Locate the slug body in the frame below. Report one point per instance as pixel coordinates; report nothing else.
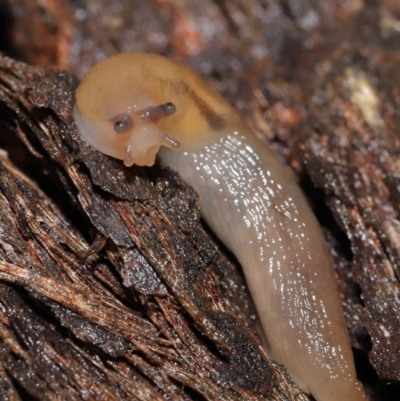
(246, 196)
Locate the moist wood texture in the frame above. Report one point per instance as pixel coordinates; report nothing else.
(110, 286)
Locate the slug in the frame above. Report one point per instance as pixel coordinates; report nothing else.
(130, 105)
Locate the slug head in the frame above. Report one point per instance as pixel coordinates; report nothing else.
(132, 136)
(118, 110)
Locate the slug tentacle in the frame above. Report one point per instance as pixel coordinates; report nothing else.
(131, 105)
(122, 123)
(157, 112)
(171, 143)
(128, 159)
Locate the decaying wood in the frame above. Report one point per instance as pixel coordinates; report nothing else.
(136, 316)
(110, 286)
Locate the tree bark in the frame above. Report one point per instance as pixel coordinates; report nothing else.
(111, 287)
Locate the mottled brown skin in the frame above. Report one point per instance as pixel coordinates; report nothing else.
(246, 196)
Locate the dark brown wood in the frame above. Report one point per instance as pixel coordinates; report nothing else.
(111, 287)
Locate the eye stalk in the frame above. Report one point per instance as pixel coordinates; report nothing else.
(122, 123)
(169, 108)
(137, 135)
(155, 113)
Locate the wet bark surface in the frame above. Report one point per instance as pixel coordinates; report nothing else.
(111, 287)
